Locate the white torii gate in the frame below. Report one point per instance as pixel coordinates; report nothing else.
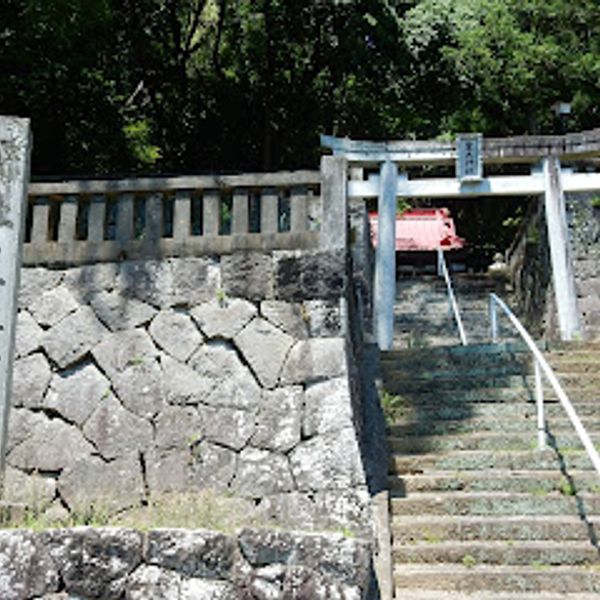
(547, 178)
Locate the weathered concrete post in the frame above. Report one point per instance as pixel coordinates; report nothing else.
(334, 183)
(562, 266)
(385, 258)
(15, 146)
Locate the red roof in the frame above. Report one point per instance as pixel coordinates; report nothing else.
(422, 229)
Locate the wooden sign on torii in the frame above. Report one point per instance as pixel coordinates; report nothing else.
(547, 178)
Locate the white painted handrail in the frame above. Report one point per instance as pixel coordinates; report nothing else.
(542, 366)
(443, 271)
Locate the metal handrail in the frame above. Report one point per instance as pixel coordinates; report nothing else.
(443, 271)
(542, 366)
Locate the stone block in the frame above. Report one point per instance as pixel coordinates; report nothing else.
(87, 281)
(27, 569)
(183, 385)
(75, 393)
(33, 490)
(152, 583)
(301, 275)
(117, 432)
(73, 337)
(175, 333)
(139, 387)
(95, 562)
(52, 445)
(328, 407)
(327, 462)
(149, 281)
(247, 275)
(31, 377)
(235, 386)
(315, 359)
(260, 472)
(265, 348)
(213, 467)
(223, 319)
(324, 318)
(168, 471)
(118, 312)
(29, 335)
(36, 281)
(52, 306)
(229, 427)
(177, 427)
(279, 419)
(195, 280)
(124, 349)
(290, 317)
(194, 554)
(90, 483)
(192, 589)
(21, 424)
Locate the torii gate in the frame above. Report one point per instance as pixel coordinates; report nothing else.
(547, 178)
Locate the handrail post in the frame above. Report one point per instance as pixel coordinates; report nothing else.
(443, 272)
(539, 401)
(493, 319)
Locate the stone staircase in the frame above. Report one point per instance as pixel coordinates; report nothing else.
(422, 316)
(478, 512)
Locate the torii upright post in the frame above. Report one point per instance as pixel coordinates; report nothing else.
(385, 260)
(15, 146)
(558, 236)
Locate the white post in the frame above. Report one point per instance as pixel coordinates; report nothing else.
(385, 260)
(494, 320)
(15, 146)
(539, 400)
(562, 268)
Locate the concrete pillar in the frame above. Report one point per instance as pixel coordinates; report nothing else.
(558, 237)
(15, 147)
(334, 184)
(385, 258)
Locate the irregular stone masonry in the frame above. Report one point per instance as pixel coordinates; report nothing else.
(104, 564)
(152, 377)
(584, 232)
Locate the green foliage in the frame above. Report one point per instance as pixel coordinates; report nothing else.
(393, 407)
(204, 85)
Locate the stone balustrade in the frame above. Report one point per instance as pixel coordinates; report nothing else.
(85, 221)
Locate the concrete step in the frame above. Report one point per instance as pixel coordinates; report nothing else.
(539, 483)
(434, 529)
(504, 579)
(517, 421)
(495, 504)
(502, 552)
(412, 372)
(431, 393)
(478, 460)
(423, 409)
(487, 440)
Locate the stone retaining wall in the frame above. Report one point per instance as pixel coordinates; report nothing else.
(235, 374)
(584, 233)
(110, 564)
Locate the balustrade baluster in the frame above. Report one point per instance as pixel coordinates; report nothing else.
(211, 206)
(182, 216)
(41, 221)
(125, 214)
(68, 219)
(269, 211)
(299, 213)
(239, 223)
(97, 217)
